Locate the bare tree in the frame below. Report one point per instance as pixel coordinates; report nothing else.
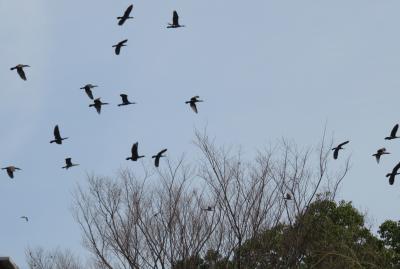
(131, 223)
(252, 196)
(169, 217)
(38, 258)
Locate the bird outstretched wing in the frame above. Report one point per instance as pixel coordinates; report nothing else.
(335, 153)
(344, 143)
(157, 161)
(128, 11)
(394, 130)
(57, 135)
(21, 73)
(175, 18)
(89, 92)
(193, 106)
(135, 150)
(124, 98)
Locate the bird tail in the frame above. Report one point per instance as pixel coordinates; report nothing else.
(128, 158)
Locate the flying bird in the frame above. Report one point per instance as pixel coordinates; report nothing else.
(88, 89)
(379, 153)
(125, 16)
(393, 133)
(57, 137)
(69, 164)
(10, 170)
(287, 196)
(393, 174)
(337, 148)
(193, 101)
(125, 100)
(20, 70)
(158, 156)
(119, 45)
(97, 104)
(135, 156)
(175, 21)
(25, 218)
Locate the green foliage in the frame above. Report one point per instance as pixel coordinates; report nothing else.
(389, 232)
(328, 235)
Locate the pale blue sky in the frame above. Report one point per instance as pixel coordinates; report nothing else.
(266, 70)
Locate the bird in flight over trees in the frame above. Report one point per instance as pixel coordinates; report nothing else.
(134, 151)
(20, 70)
(125, 16)
(125, 100)
(10, 170)
(88, 89)
(119, 45)
(379, 153)
(158, 156)
(287, 196)
(393, 174)
(57, 137)
(69, 164)
(337, 148)
(25, 218)
(393, 133)
(175, 21)
(208, 208)
(97, 104)
(193, 101)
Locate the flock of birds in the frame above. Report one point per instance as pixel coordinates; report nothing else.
(98, 103)
(378, 154)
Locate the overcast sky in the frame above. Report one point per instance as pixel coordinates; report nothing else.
(266, 70)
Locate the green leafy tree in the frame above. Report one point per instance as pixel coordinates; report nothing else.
(390, 234)
(327, 235)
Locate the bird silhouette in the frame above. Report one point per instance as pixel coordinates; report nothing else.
(393, 133)
(287, 196)
(119, 45)
(97, 104)
(379, 153)
(88, 89)
(20, 70)
(25, 218)
(57, 137)
(175, 21)
(393, 174)
(193, 101)
(158, 156)
(125, 100)
(69, 164)
(134, 151)
(10, 170)
(125, 16)
(337, 148)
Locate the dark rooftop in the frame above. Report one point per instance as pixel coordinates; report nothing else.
(6, 263)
